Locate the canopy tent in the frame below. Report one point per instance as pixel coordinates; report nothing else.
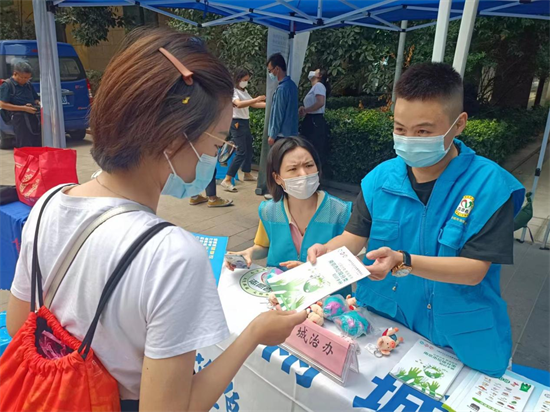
(307, 15)
(297, 17)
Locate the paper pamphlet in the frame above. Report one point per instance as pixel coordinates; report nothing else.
(481, 393)
(543, 404)
(428, 369)
(299, 288)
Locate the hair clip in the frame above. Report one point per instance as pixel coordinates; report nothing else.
(185, 72)
(186, 100)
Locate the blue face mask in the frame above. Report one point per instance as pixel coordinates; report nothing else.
(176, 187)
(272, 76)
(421, 151)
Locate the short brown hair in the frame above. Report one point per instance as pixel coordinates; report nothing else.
(143, 103)
(275, 159)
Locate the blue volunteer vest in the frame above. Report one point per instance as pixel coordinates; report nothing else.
(472, 320)
(329, 221)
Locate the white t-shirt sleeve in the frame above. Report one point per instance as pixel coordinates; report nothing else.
(180, 300)
(319, 89)
(235, 95)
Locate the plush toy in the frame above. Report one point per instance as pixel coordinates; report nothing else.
(334, 306)
(353, 323)
(315, 314)
(389, 341)
(351, 302)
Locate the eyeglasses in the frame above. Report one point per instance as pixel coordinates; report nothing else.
(222, 140)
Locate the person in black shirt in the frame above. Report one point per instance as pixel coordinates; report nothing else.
(18, 97)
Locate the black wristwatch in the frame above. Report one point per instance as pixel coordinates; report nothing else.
(403, 269)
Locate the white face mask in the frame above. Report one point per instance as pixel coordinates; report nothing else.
(311, 75)
(243, 84)
(302, 187)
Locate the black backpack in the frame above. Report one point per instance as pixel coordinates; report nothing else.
(6, 114)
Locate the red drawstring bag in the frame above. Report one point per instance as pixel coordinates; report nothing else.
(44, 368)
(38, 169)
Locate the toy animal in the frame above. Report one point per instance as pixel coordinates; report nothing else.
(315, 314)
(353, 323)
(389, 341)
(334, 306)
(351, 302)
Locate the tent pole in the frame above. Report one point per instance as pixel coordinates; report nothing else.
(400, 57)
(537, 174)
(441, 31)
(545, 240)
(53, 124)
(289, 60)
(465, 35)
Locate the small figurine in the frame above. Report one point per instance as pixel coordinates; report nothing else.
(334, 306)
(351, 302)
(315, 314)
(353, 323)
(389, 341)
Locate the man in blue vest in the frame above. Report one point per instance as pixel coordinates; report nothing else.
(439, 223)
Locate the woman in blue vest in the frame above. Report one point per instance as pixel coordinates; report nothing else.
(439, 224)
(299, 215)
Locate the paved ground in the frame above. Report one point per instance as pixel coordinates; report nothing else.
(525, 285)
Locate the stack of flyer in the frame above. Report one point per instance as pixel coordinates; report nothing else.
(301, 287)
(543, 403)
(481, 393)
(428, 369)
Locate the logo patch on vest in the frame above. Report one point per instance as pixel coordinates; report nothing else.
(465, 206)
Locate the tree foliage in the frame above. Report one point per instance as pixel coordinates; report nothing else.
(237, 45)
(505, 55)
(358, 60)
(11, 29)
(90, 25)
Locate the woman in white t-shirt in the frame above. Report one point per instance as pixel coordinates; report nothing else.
(157, 121)
(240, 129)
(314, 127)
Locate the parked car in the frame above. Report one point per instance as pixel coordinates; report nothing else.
(76, 92)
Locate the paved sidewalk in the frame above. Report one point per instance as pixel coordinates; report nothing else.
(525, 285)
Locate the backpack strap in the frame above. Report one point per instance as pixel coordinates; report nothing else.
(69, 258)
(10, 81)
(114, 279)
(36, 274)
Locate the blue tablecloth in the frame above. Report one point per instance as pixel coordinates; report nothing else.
(12, 218)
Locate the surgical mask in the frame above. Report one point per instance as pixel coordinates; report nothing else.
(311, 75)
(242, 85)
(421, 151)
(176, 187)
(302, 187)
(272, 76)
